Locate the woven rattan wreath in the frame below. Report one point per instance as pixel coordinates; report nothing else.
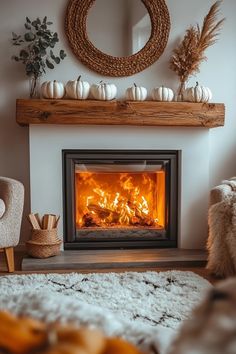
(88, 54)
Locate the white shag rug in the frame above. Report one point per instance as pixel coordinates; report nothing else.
(145, 308)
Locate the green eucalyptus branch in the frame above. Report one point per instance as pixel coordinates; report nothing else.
(38, 42)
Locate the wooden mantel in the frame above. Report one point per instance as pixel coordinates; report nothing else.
(147, 113)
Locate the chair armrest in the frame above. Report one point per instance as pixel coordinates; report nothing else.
(12, 193)
(219, 193)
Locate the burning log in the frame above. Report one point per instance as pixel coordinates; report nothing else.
(90, 220)
(148, 221)
(142, 221)
(98, 216)
(115, 217)
(102, 213)
(135, 221)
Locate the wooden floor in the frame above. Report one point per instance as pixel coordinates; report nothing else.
(194, 261)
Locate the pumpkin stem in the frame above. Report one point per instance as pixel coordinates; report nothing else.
(197, 83)
(79, 78)
(54, 80)
(100, 81)
(135, 84)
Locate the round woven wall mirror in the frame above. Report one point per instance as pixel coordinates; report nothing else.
(117, 37)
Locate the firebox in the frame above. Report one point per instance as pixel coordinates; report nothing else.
(120, 198)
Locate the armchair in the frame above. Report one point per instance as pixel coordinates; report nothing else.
(11, 209)
(222, 229)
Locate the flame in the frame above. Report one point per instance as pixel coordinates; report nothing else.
(120, 199)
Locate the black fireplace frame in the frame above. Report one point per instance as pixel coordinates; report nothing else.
(168, 237)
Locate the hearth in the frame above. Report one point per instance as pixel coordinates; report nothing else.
(120, 198)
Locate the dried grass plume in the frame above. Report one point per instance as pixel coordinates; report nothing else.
(188, 56)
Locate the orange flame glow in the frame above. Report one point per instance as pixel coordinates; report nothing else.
(120, 200)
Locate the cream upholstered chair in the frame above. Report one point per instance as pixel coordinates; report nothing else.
(222, 229)
(11, 209)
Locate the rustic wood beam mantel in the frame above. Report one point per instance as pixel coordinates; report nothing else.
(147, 113)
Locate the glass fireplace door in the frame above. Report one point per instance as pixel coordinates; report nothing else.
(119, 195)
(120, 198)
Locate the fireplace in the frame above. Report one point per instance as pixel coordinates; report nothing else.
(120, 198)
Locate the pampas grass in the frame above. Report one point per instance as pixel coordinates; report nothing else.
(187, 57)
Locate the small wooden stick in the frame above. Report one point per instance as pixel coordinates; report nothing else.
(51, 221)
(34, 222)
(57, 221)
(38, 219)
(45, 222)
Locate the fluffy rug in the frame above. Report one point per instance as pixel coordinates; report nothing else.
(141, 307)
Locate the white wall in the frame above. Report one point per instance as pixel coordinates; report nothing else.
(218, 73)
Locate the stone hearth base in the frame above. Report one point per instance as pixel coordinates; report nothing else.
(92, 260)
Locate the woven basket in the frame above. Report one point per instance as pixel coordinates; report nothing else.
(44, 236)
(39, 250)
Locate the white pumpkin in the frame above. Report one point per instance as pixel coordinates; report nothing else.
(162, 94)
(52, 89)
(77, 89)
(136, 93)
(103, 91)
(197, 94)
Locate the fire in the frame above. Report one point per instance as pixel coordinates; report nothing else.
(120, 199)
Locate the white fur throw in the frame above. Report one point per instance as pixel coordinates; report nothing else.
(222, 230)
(2, 208)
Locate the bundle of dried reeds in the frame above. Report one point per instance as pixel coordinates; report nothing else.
(188, 56)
